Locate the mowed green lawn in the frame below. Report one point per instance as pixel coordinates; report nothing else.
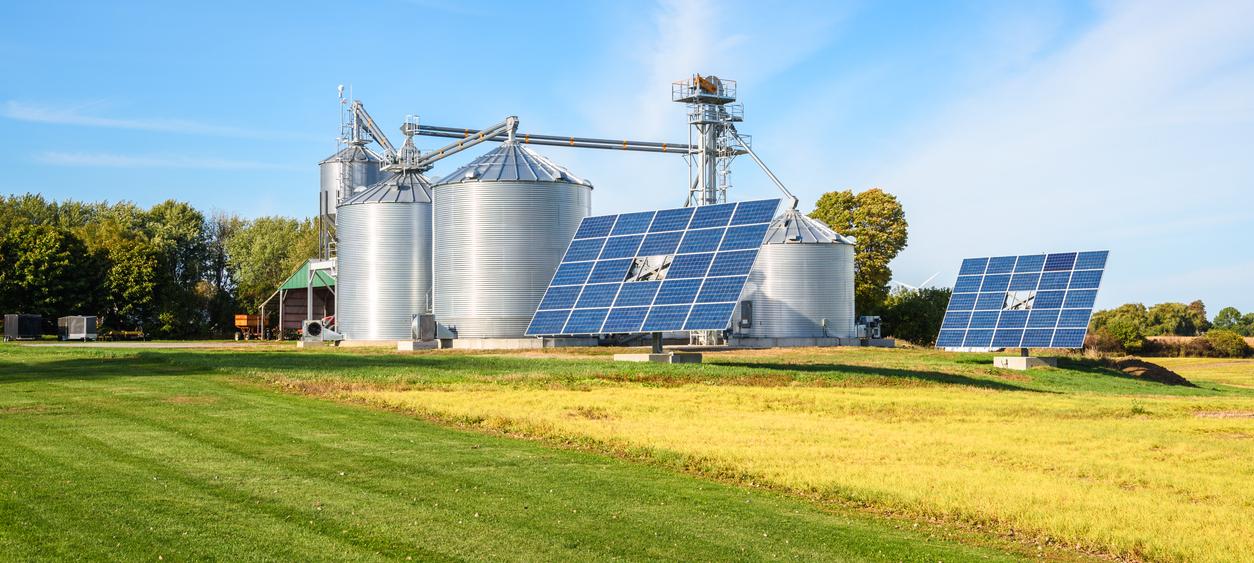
(178, 455)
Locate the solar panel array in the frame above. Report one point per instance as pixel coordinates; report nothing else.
(654, 271)
(1033, 301)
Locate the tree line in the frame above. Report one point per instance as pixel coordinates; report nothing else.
(168, 270)
(174, 272)
(1129, 328)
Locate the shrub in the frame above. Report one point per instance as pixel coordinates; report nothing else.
(1127, 332)
(1178, 347)
(1105, 343)
(1226, 344)
(915, 315)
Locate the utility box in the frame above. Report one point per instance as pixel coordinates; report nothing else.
(869, 327)
(423, 327)
(76, 327)
(23, 327)
(746, 314)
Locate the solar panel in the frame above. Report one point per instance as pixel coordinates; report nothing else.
(654, 271)
(1033, 301)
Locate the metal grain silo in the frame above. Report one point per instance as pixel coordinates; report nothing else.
(802, 285)
(502, 223)
(343, 173)
(384, 258)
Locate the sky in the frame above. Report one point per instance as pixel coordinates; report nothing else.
(1003, 127)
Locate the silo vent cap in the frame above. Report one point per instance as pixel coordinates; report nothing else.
(794, 227)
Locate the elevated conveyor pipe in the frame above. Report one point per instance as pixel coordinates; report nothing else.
(762, 165)
(364, 121)
(559, 141)
(501, 131)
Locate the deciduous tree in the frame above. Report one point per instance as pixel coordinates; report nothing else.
(1170, 319)
(178, 232)
(1197, 316)
(915, 315)
(878, 222)
(264, 252)
(1229, 318)
(48, 271)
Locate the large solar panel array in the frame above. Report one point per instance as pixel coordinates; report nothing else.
(654, 271)
(1033, 301)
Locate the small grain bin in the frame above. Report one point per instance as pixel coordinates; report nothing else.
(345, 172)
(802, 285)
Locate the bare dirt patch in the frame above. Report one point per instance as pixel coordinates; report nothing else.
(1142, 369)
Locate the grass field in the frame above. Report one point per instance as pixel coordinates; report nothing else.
(177, 455)
(1071, 461)
(1226, 371)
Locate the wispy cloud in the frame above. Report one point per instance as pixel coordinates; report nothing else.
(76, 115)
(113, 160)
(742, 41)
(1134, 137)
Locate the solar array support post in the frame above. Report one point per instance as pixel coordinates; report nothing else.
(657, 342)
(1023, 352)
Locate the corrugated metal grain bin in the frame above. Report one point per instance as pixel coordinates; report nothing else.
(384, 258)
(502, 223)
(802, 285)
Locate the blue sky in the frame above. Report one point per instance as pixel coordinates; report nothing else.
(1004, 127)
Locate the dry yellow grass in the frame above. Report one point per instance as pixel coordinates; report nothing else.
(1165, 478)
(1226, 371)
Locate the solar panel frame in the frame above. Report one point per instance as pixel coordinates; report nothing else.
(633, 223)
(698, 261)
(1029, 301)
(734, 263)
(620, 247)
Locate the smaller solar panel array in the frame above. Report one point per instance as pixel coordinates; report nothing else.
(1032, 301)
(654, 271)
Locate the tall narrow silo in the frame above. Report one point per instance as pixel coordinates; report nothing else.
(802, 285)
(502, 223)
(351, 169)
(384, 258)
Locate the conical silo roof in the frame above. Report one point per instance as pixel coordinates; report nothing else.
(512, 162)
(354, 152)
(794, 227)
(407, 186)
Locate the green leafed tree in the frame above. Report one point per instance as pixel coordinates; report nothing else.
(915, 315)
(1170, 319)
(265, 252)
(878, 222)
(1228, 318)
(179, 233)
(1127, 332)
(220, 278)
(133, 274)
(1124, 325)
(49, 271)
(1197, 316)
